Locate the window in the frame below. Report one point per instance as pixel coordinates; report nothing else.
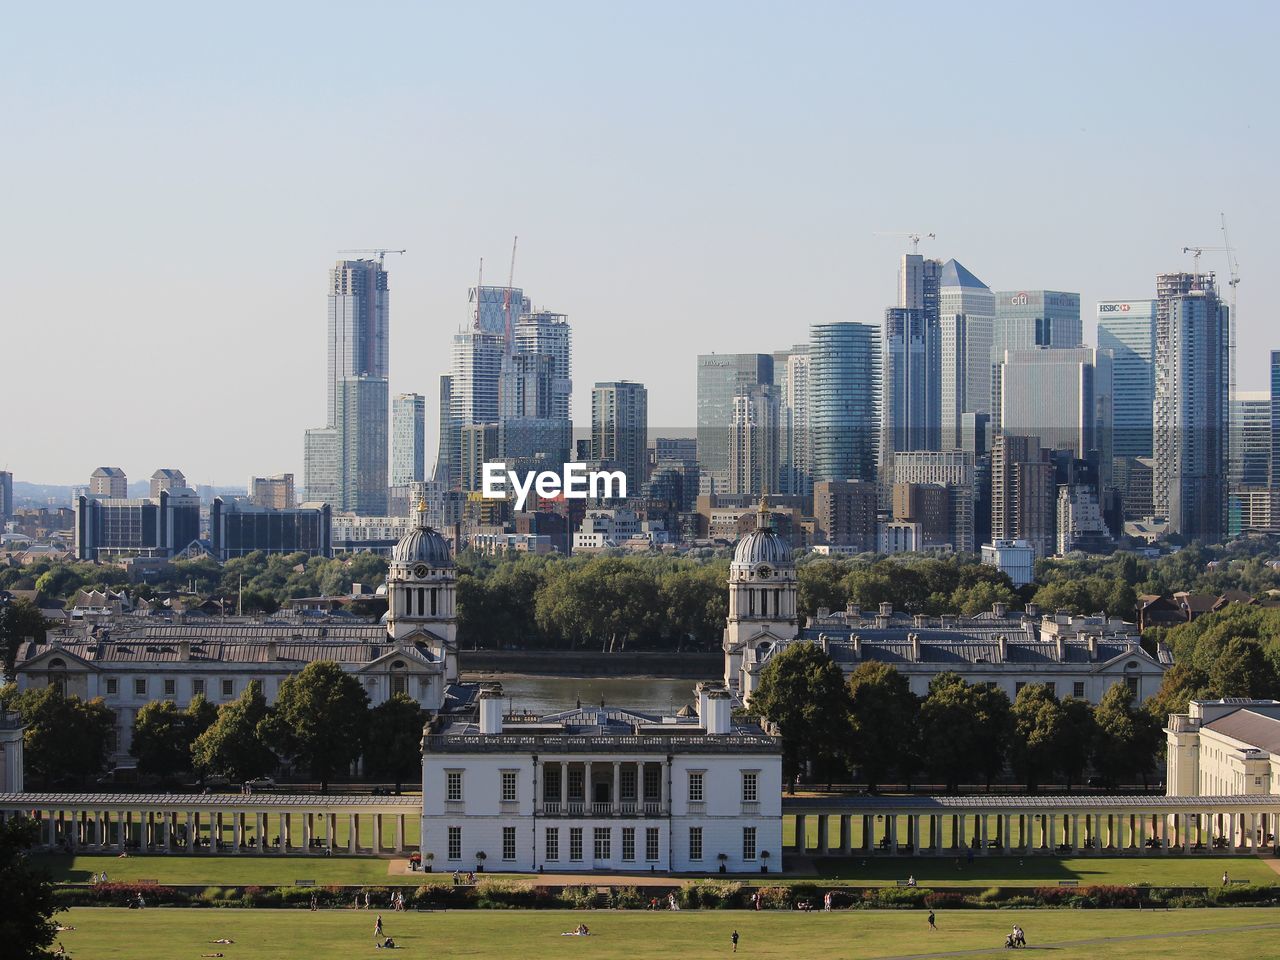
(628, 843)
(652, 781)
(695, 786)
(399, 681)
(455, 843)
(651, 843)
(748, 843)
(1017, 686)
(627, 785)
(197, 687)
(575, 784)
(575, 843)
(228, 687)
(508, 843)
(750, 786)
(603, 843)
(695, 843)
(1077, 689)
(1132, 684)
(453, 786)
(170, 687)
(139, 686)
(509, 794)
(1052, 687)
(113, 686)
(553, 843)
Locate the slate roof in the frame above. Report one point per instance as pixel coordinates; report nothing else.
(218, 651)
(1255, 729)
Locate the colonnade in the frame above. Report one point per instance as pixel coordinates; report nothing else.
(1003, 828)
(217, 824)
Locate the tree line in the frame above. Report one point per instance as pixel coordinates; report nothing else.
(958, 733)
(319, 726)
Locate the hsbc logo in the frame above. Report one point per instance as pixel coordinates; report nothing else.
(1113, 308)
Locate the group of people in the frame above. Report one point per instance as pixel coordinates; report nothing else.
(582, 931)
(459, 879)
(1016, 939)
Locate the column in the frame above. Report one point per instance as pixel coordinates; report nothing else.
(353, 832)
(846, 826)
(1253, 833)
(586, 788)
(868, 844)
(891, 832)
(664, 778)
(800, 830)
(377, 834)
(823, 843)
(306, 833)
(1052, 819)
(286, 832)
(1075, 833)
(1237, 832)
(564, 787)
(982, 833)
(939, 822)
(1163, 822)
(913, 824)
(260, 824)
(330, 828)
(1142, 833)
(617, 787)
(122, 832)
(400, 833)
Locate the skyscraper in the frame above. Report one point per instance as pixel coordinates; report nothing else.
(549, 335)
(474, 385)
(797, 454)
(1024, 494)
(619, 429)
(274, 493)
(109, 482)
(844, 390)
(912, 370)
(753, 442)
(446, 443)
(362, 444)
(918, 280)
(1127, 328)
(1026, 319)
(1063, 397)
(1250, 468)
(6, 495)
(1274, 477)
(721, 377)
(408, 438)
(1191, 412)
(496, 310)
(966, 320)
(358, 325)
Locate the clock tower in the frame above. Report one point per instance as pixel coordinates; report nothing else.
(422, 587)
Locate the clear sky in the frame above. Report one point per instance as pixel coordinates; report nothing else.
(684, 177)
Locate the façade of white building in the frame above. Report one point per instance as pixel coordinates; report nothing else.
(1224, 747)
(129, 661)
(601, 789)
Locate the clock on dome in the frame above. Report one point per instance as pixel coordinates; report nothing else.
(764, 572)
(421, 571)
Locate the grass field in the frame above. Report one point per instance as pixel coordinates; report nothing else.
(950, 872)
(174, 934)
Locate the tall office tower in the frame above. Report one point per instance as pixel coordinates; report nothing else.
(953, 469)
(496, 310)
(753, 442)
(362, 440)
(1063, 397)
(844, 392)
(929, 505)
(359, 335)
(167, 478)
(1251, 423)
(477, 371)
(525, 389)
(912, 367)
(966, 321)
(1023, 493)
(1273, 477)
(274, 493)
(408, 438)
(109, 482)
(6, 495)
(549, 334)
(620, 429)
(797, 468)
(918, 284)
(322, 466)
(446, 443)
(1127, 328)
(844, 513)
(1026, 319)
(478, 444)
(1191, 423)
(721, 377)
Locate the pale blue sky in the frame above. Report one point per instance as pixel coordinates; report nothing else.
(683, 177)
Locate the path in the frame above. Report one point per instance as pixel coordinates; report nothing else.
(1060, 944)
(1272, 862)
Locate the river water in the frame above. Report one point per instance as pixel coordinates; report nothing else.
(543, 695)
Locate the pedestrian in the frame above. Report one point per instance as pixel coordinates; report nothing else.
(1226, 878)
(826, 902)
(355, 904)
(734, 940)
(932, 922)
(366, 899)
(377, 927)
(315, 903)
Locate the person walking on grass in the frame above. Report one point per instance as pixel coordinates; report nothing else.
(377, 927)
(932, 921)
(734, 940)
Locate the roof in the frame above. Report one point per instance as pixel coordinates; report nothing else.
(1255, 729)
(954, 274)
(328, 801)
(989, 803)
(246, 650)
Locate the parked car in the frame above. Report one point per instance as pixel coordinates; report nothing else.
(119, 776)
(260, 783)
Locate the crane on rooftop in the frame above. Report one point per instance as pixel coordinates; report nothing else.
(376, 252)
(915, 238)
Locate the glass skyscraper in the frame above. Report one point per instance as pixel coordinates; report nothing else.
(967, 309)
(721, 377)
(620, 429)
(408, 438)
(1127, 328)
(844, 387)
(912, 371)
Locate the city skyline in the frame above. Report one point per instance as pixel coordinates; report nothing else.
(183, 167)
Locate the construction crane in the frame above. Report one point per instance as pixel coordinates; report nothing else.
(479, 284)
(378, 252)
(915, 238)
(506, 298)
(1233, 281)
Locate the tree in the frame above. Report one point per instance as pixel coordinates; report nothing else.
(163, 735)
(802, 691)
(1127, 737)
(19, 620)
(320, 719)
(236, 745)
(1038, 732)
(964, 730)
(882, 712)
(820, 583)
(66, 738)
(392, 749)
(27, 929)
(1079, 734)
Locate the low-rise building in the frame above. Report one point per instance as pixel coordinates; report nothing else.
(1015, 558)
(1224, 747)
(601, 789)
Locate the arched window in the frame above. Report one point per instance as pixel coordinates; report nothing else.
(399, 678)
(58, 675)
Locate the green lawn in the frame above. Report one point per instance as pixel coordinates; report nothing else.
(248, 869)
(165, 934)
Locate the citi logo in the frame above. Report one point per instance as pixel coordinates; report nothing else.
(1019, 300)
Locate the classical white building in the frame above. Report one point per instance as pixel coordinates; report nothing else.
(11, 729)
(1223, 747)
(601, 789)
(132, 660)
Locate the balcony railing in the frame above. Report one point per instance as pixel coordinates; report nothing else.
(579, 808)
(601, 809)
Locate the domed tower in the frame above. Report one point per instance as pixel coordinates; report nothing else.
(762, 602)
(422, 586)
